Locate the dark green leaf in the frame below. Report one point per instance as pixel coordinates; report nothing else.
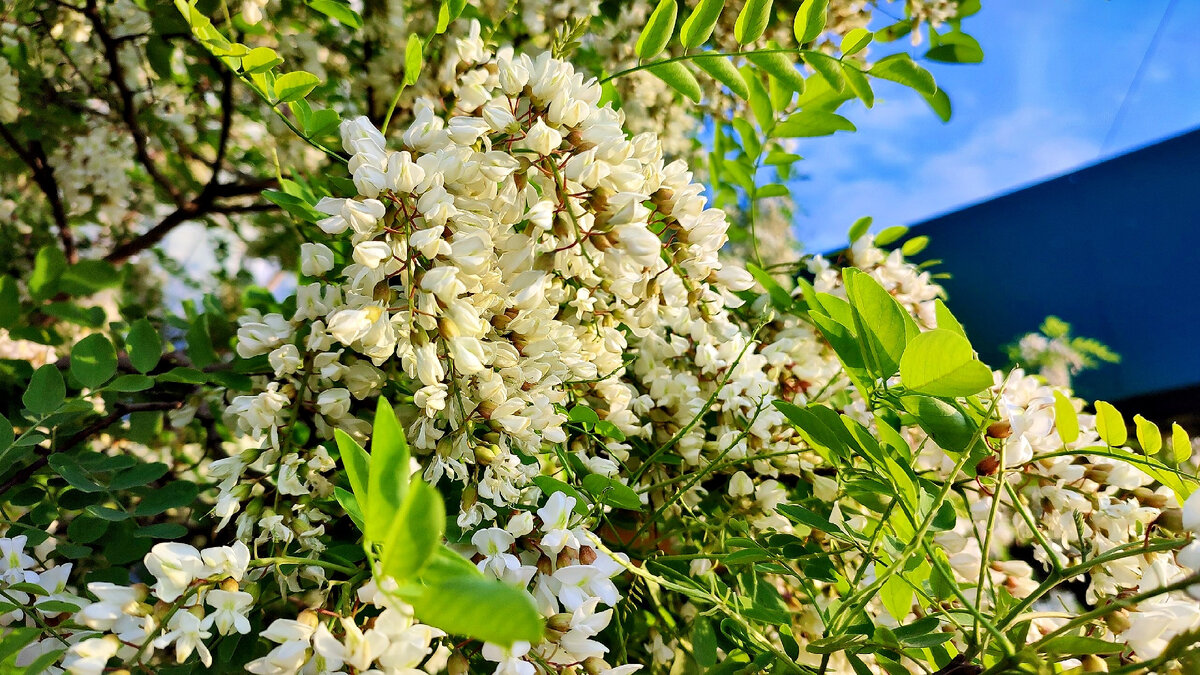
(46, 390)
(93, 360)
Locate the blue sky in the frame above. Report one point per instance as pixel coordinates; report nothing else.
(1041, 104)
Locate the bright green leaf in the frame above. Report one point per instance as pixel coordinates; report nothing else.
(1148, 435)
(855, 40)
(941, 363)
(657, 34)
(1066, 420)
(295, 85)
(752, 21)
(810, 20)
(1110, 425)
(1181, 444)
(415, 533)
(679, 78)
(698, 27)
(387, 484)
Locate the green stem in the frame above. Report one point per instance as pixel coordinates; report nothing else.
(291, 560)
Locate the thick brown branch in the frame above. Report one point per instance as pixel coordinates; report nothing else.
(43, 175)
(203, 204)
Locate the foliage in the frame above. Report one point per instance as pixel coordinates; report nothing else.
(518, 398)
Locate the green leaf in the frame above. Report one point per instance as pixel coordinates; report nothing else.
(780, 67)
(829, 68)
(46, 390)
(700, 23)
(93, 360)
(87, 277)
(1181, 445)
(414, 59)
(946, 320)
(48, 267)
(76, 476)
(939, 102)
(657, 34)
(810, 20)
(780, 298)
(550, 485)
(915, 245)
(675, 74)
(357, 462)
(704, 638)
(809, 123)
(199, 343)
(352, 506)
(896, 596)
(171, 496)
(338, 10)
(131, 383)
(389, 475)
(856, 40)
(10, 302)
(1076, 645)
(1148, 435)
(160, 531)
(752, 21)
(138, 476)
(883, 326)
(721, 70)
(760, 100)
(901, 68)
(612, 492)
(941, 363)
(472, 605)
(295, 85)
(7, 436)
(803, 516)
(144, 346)
(448, 12)
(955, 47)
(890, 234)
(584, 414)
(1110, 425)
(1065, 419)
(944, 422)
(859, 228)
(860, 86)
(261, 59)
(415, 533)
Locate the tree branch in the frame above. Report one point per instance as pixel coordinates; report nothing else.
(119, 410)
(43, 175)
(128, 107)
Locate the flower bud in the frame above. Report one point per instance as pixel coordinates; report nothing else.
(999, 430)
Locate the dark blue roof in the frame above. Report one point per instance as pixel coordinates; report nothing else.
(1113, 249)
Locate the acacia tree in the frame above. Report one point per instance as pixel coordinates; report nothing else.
(522, 398)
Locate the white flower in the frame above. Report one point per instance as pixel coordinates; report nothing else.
(114, 603)
(14, 562)
(1191, 513)
(90, 656)
(315, 259)
(231, 608)
(334, 403)
(494, 543)
(186, 631)
(371, 254)
(556, 515)
(285, 360)
(542, 139)
(175, 566)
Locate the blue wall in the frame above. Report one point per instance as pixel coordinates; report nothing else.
(1114, 249)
